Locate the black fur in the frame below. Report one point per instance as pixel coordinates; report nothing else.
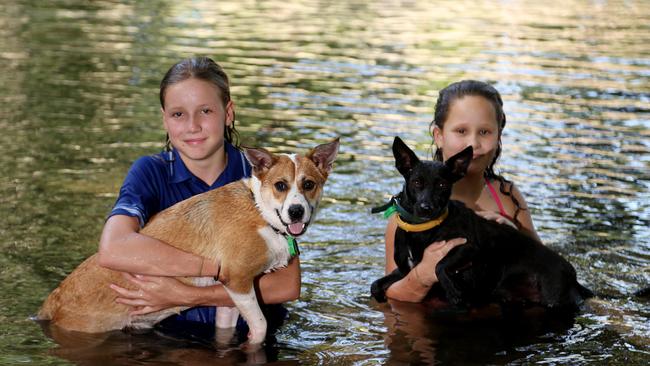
(498, 264)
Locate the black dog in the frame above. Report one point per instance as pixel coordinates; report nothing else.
(498, 264)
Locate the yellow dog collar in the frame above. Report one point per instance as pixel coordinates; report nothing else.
(423, 226)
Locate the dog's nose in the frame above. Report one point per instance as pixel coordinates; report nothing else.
(296, 212)
(426, 207)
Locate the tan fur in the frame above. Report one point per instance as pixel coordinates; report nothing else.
(84, 302)
(224, 224)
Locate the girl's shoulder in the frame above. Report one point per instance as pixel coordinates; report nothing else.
(507, 190)
(237, 165)
(151, 165)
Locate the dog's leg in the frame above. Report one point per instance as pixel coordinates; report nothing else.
(251, 312)
(226, 321)
(378, 288)
(457, 284)
(227, 317)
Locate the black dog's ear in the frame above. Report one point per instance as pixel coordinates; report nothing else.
(457, 165)
(405, 158)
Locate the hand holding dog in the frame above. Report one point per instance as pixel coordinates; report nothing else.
(495, 216)
(152, 293)
(417, 283)
(425, 271)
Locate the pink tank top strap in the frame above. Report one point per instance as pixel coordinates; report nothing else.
(497, 200)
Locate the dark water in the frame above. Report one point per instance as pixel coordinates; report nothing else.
(78, 104)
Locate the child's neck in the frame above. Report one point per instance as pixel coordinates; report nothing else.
(468, 190)
(208, 170)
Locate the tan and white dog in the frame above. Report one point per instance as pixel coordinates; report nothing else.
(244, 225)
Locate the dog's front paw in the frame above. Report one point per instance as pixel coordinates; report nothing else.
(378, 288)
(377, 291)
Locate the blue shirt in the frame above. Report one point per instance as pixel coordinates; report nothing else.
(159, 181)
(156, 182)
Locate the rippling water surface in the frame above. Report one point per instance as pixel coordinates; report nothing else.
(78, 104)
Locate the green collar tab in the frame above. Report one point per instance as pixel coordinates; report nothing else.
(393, 206)
(293, 246)
(390, 210)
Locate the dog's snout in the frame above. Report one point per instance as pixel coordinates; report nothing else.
(426, 207)
(296, 212)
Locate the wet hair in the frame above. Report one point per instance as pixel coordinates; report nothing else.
(458, 90)
(202, 68)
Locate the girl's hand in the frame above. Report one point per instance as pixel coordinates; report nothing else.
(152, 293)
(495, 216)
(425, 271)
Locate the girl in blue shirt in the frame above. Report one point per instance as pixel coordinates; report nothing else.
(201, 154)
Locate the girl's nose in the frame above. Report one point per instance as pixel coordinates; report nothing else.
(475, 142)
(195, 126)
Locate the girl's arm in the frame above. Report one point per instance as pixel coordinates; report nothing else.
(157, 293)
(123, 248)
(417, 283)
(524, 218)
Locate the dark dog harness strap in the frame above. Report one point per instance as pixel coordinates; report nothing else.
(393, 205)
(406, 220)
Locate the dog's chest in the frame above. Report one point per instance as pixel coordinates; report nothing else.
(410, 246)
(277, 249)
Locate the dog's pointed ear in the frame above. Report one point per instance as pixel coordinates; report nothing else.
(324, 155)
(405, 158)
(457, 165)
(260, 159)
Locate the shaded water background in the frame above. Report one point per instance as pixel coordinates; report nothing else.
(78, 104)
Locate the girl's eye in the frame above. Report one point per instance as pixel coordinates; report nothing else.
(281, 186)
(308, 185)
(206, 111)
(177, 114)
(460, 131)
(485, 132)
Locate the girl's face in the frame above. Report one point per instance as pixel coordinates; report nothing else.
(195, 119)
(471, 121)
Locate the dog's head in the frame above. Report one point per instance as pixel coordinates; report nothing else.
(428, 184)
(287, 188)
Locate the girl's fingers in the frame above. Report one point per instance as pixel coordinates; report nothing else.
(445, 245)
(131, 302)
(137, 279)
(142, 310)
(123, 292)
(455, 242)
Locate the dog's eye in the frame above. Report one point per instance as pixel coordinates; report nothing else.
(308, 185)
(417, 183)
(281, 186)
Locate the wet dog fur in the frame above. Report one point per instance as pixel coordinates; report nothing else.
(498, 264)
(242, 224)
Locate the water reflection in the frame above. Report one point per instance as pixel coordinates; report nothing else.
(417, 335)
(124, 348)
(79, 104)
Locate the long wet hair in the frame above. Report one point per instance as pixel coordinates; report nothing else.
(202, 68)
(463, 88)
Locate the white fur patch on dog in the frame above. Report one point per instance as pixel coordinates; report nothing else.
(278, 250)
(267, 212)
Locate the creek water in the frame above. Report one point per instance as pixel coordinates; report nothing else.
(79, 104)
